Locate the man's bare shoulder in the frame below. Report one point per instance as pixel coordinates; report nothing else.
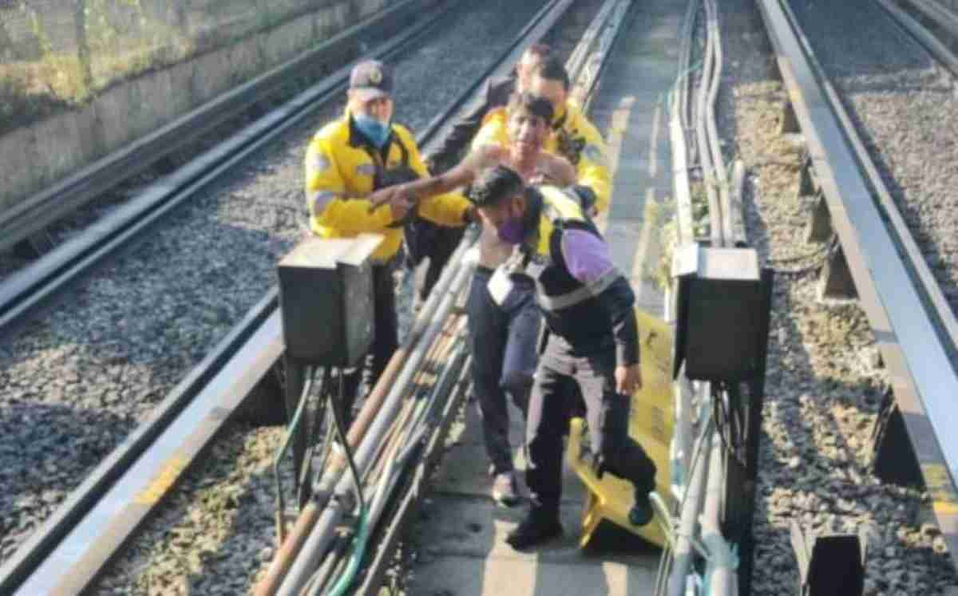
(485, 156)
(548, 159)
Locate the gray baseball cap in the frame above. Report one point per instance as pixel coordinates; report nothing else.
(371, 79)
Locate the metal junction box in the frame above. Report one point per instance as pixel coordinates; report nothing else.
(326, 297)
(723, 302)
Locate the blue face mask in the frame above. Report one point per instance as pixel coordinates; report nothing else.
(372, 129)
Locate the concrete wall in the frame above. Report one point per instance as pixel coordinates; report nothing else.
(36, 156)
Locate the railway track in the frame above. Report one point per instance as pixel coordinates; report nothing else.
(907, 309)
(25, 289)
(823, 391)
(907, 304)
(913, 322)
(15, 359)
(32, 215)
(251, 347)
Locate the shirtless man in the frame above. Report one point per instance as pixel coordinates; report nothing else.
(503, 330)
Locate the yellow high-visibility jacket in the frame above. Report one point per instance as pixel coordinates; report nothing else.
(573, 137)
(341, 168)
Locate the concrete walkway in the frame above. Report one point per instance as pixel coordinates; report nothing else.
(461, 531)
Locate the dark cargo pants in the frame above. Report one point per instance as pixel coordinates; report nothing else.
(385, 339)
(503, 341)
(425, 239)
(566, 383)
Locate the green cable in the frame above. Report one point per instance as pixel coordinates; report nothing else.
(359, 549)
(362, 532)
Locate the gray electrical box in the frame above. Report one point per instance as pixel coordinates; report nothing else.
(326, 297)
(722, 310)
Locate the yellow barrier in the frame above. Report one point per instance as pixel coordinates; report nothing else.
(650, 424)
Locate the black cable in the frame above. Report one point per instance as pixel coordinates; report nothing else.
(830, 248)
(728, 431)
(348, 452)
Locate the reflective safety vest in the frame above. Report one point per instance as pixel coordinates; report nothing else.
(571, 308)
(343, 168)
(574, 138)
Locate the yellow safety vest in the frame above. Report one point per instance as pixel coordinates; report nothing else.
(341, 171)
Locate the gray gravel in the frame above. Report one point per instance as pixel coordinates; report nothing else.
(905, 106)
(823, 391)
(121, 341)
(84, 374)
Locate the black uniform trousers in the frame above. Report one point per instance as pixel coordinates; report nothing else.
(503, 341)
(567, 382)
(385, 339)
(425, 239)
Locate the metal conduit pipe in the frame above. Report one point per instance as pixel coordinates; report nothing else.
(310, 514)
(685, 59)
(721, 173)
(591, 68)
(691, 506)
(701, 133)
(402, 454)
(321, 535)
(437, 356)
(581, 51)
(681, 444)
(720, 569)
(681, 152)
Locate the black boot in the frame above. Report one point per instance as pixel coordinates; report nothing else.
(539, 526)
(641, 512)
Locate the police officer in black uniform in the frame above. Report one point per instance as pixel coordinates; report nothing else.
(590, 353)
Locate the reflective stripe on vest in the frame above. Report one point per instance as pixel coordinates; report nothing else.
(587, 291)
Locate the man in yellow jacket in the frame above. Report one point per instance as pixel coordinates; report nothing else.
(347, 160)
(573, 136)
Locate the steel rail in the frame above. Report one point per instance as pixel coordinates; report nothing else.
(90, 545)
(916, 350)
(906, 242)
(27, 288)
(49, 205)
(84, 498)
(580, 53)
(587, 71)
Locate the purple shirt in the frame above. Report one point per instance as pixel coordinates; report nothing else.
(586, 256)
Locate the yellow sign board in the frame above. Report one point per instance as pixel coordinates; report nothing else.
(651, 422)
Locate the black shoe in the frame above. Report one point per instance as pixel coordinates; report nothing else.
(538, 527)
(641, 512)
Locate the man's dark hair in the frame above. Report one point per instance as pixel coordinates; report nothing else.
(531, 104)
(539, 50)
(552, 69)
(495, 184)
